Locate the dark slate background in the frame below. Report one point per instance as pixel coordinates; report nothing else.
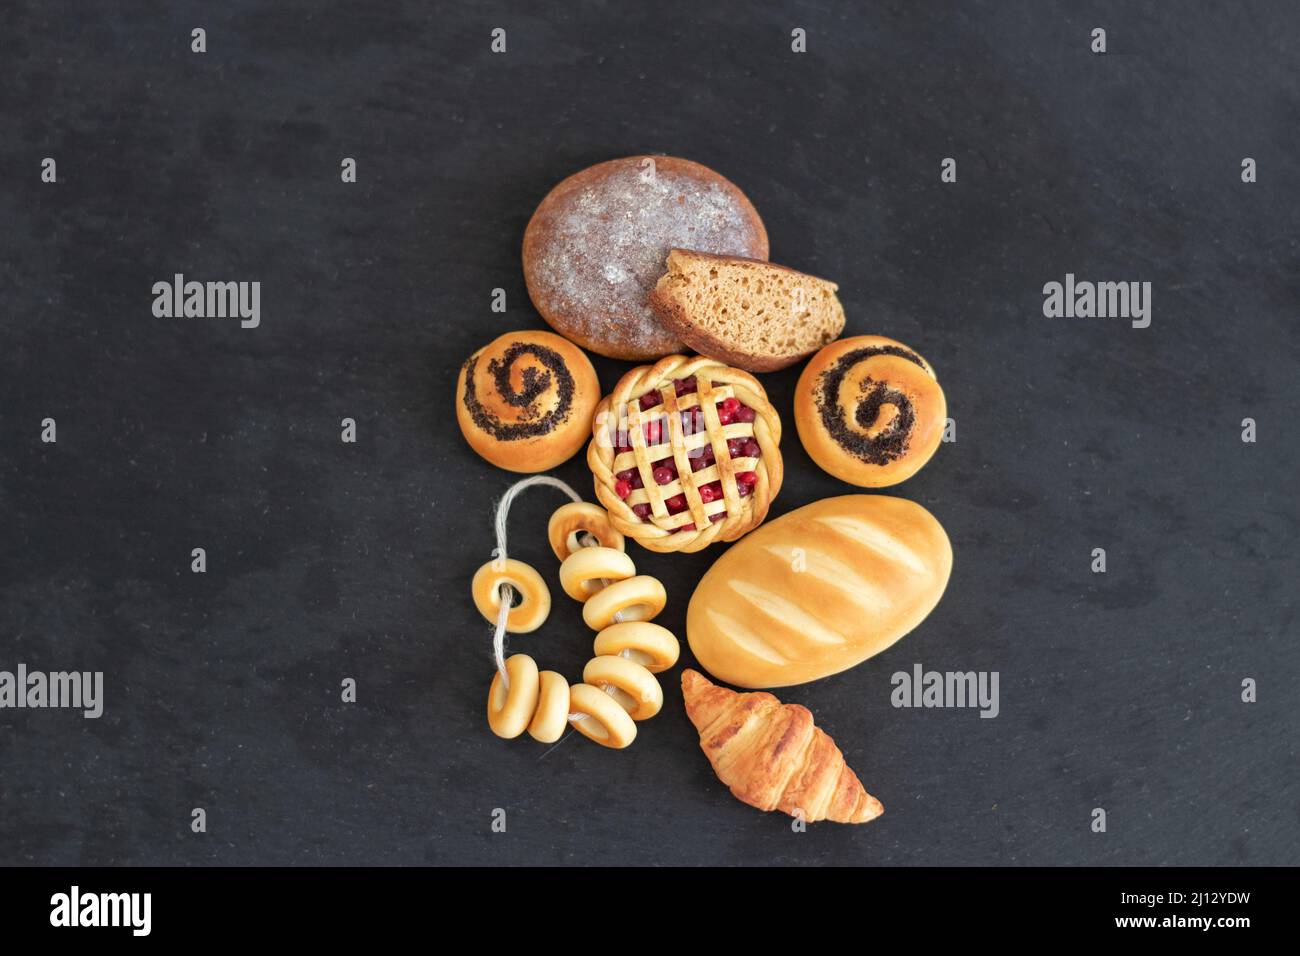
(329, 561)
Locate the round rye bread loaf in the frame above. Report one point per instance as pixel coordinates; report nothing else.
(597, 243)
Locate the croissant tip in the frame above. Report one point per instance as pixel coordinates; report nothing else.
(868, 809)
(871, 809)
(692, 678)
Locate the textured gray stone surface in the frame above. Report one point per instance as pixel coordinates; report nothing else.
(329, 560)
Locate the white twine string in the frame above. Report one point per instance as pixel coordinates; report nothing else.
(505, 593)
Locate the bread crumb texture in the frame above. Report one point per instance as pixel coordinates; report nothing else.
(757, 310)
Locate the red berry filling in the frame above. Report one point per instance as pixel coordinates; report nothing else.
(729, 410)
(701, 458)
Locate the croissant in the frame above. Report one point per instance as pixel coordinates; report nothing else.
(772, 756)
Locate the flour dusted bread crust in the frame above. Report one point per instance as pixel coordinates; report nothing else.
(869, 410)
(596, 245)
(524, 401)
(818, 591)
(754, 315)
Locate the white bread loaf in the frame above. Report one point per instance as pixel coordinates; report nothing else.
(818, 591)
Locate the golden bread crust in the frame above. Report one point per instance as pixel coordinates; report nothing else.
(818, 590)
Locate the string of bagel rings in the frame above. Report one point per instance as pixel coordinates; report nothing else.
(618, 685)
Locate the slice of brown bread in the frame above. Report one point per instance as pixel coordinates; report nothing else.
(748, 313)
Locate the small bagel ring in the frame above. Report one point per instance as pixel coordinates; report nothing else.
(650, 645)
(637, 599)
(534, 597)
(571, 520)
(552, 714)
(581, 571)
(509, 711)
(635, 688)
(604, 721)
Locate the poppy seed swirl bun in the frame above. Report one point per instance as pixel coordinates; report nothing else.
(524, 401)
(869, 411)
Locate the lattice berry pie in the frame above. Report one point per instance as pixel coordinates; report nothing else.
(685, 452)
